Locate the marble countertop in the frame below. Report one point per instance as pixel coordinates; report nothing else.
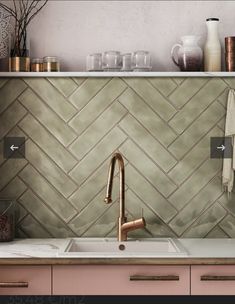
(117, 74)
(46, 251)
(33, 248)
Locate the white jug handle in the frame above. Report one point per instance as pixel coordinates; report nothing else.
(172, 53)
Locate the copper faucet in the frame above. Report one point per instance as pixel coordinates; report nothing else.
(123, 226)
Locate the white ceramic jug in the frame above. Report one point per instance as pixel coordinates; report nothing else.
(189, 55)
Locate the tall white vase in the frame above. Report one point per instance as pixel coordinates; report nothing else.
(212, 48)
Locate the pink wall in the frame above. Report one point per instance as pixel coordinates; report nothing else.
(72, 29)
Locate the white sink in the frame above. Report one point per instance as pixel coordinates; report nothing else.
(108, 247)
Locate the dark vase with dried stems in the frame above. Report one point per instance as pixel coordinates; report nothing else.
(22, 12)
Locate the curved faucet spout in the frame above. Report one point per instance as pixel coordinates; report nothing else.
(123, 225)
(108, 199)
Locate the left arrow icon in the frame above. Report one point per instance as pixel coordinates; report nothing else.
(13, 148)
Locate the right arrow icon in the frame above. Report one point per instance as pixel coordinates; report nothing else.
(222, 148)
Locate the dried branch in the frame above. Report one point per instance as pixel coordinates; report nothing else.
(37, 11)
(23, 15)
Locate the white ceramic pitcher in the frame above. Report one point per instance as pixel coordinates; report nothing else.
(189, 54)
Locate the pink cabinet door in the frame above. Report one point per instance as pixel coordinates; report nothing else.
(25, 280)
(213, 280)
(121, 280)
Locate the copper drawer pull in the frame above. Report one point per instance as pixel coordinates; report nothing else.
(217, 278)
(14, 284)
(154, 278)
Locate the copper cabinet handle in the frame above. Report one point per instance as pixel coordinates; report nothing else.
(154, 278)
(14, 284)
(217, 278)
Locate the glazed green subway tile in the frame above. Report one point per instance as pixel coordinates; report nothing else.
(13, 189)
(145, 115)
(52, 223)
(63, 84)
(140, 234)
(72, 127)
(144, 165)
(47, 193)
(205, 223)
(52, 97)
(230, 81)
(195, 183)
(94, 133)
(17, 132)
(106, 223)
(79, 80)
(162, 84)
(20, 234)
(228, 225)
(216, 233)
(221, 124)
(197, 130)
(47, 117)
(87, 90)
(197, 104)
(97, 105)
(93, 211)
(20, 212)
(9, 170)
(147, 142)
(186, 91)
(223, 98)
(178, 80)
(95, 158)
(88, 190)
(3, 81)
(32, 228)
(11, 117)
(152, 97)
(146, 192)
(10, 91)
(227, 201)
(2, 159)
(205, 198)
(48, 143)
(47, 168)
(154, 225)
(199, 153)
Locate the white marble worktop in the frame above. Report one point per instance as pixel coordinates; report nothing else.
(33, 248)
(50, 249)
(117, 74)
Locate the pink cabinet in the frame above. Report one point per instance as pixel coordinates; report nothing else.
(121, 280)
(25, 280)
(213, 280)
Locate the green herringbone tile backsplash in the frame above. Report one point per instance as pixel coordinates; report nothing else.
(72, 126)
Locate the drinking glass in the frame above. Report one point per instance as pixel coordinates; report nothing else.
(51, 64)
(126, 62)
(94, 62)
(112, 61)
(141, 60)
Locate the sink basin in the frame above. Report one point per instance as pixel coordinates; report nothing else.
(164, 247)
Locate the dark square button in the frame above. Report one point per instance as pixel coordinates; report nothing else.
(14, 147)
(221, 147)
